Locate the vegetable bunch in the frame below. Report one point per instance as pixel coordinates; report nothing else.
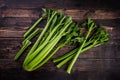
(93, 37)
(59, 30)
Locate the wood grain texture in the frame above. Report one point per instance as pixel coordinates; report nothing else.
(100, 63)
(8, 50)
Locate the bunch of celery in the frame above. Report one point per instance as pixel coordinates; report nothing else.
(59, 31)
(93, 37)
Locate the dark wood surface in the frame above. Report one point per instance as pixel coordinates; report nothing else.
(100, 63)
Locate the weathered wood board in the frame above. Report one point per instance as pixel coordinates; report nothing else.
(100, 63)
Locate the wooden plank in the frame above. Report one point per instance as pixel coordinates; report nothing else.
(19, 31)
(7, 63)
(11, 64)
(81, 65)
(96, 64)
(10, 46)
(22, 21)
(95, 14)
(19, 13)
(63, 4)
(25, 4)
(11, 33)
(18, 74)
(75, 13)
(15, 20)
(102, 52)
(18, 22)
(11, 29)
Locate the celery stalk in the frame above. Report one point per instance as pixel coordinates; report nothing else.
(26, 44)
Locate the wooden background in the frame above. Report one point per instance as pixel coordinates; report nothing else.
(101, 63)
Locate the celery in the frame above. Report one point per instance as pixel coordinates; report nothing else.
(59, 31)
(26, 44)
(95, 36)
(32, 28)
(32, 35)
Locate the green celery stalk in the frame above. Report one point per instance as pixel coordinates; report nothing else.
(68, 56)
(45, 42)
(32, 28)
(47, 58)
(26, 44)
(32, 35)
(64, 61)
(56, 60)
(36, 23)
(39, 38)
(47, 49)
(79, 51)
